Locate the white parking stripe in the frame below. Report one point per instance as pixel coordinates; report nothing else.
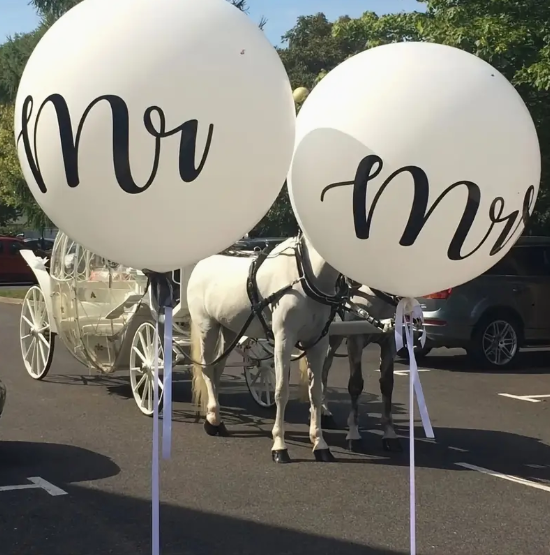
(50, 488)
(508, 477)
(528, 398)
(37, 483)
(406, 372)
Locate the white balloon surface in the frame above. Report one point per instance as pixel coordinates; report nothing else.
(415, 167)
(155, 133)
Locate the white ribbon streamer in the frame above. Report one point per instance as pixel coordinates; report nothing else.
(409, 310)
(167, 390)
(155, 482)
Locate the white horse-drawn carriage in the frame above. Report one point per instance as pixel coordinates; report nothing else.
(104, 314)
(269, 309)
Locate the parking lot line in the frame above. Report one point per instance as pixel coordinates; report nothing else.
(528, 398)
(508, 477)
(37, 483)
(406, 372)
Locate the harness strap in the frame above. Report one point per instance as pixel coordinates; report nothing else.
(312, 292)
(386, 297)
(253, 295)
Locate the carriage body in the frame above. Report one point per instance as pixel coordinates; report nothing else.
(104, 315)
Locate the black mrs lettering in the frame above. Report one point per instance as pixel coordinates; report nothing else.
(370, 167)
(120, 141)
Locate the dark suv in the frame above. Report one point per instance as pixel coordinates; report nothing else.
(497, 313)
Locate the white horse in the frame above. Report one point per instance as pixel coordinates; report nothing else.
(219, 306)
(381, 307)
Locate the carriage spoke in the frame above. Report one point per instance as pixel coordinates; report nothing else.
(139, 354)
(145, 395)
(150, 341)
(140, 382)
(142, 342)
(151, 395)
(34, 302)
(33, 356)
(29, 310)
(42, 354)
(43, 340)
(27, 321)
(31, 345)
(255, 378)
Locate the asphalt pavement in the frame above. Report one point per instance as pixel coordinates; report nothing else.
(483, 487)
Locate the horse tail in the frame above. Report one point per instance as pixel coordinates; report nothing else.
(200, 393)
(304, 380)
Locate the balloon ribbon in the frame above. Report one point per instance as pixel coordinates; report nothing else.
(166, 420)
(155, 494)
(409, 310)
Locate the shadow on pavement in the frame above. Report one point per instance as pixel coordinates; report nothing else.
(54, 462)
(529, 362)
(504, 452)
(92, 522)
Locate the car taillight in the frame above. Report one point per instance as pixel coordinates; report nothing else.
(441, 295)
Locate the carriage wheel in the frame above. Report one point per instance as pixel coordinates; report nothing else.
(142, 368)
(260, 380)
(37, 340)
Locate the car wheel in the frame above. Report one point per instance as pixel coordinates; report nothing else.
(495, 342)
(419, 353)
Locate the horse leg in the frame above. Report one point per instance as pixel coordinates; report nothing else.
(206, 389)
(327, 419)
(390, 441)
(228, 336)
(356, 343)
(282, 354)
(315, 358)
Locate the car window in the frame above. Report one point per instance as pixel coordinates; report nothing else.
(533, 260)
(14, 247)
(526, 261)
(508, 266)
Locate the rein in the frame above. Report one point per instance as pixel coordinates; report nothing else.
(339, 303)
(335, 302)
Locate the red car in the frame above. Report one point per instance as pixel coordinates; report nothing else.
(13, 268)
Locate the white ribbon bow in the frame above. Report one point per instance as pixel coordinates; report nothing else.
(408, 310)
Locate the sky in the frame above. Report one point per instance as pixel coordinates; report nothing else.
(16, 16)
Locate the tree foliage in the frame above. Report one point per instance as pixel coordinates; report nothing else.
(512, 35)
(15, 197)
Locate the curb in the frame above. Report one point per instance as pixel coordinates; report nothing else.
(9, 300)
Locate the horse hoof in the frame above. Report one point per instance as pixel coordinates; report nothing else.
(328, 422)
(324, 455)
(212, 430)
(355, 445)
(392, 444)
(280, 456)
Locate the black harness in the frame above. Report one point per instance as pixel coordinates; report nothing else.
(335, 302)
(163, 287)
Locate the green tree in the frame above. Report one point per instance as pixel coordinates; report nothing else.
(15, 197)
(54, 9)
(312, 48)
(14, 193)
(514, 37)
